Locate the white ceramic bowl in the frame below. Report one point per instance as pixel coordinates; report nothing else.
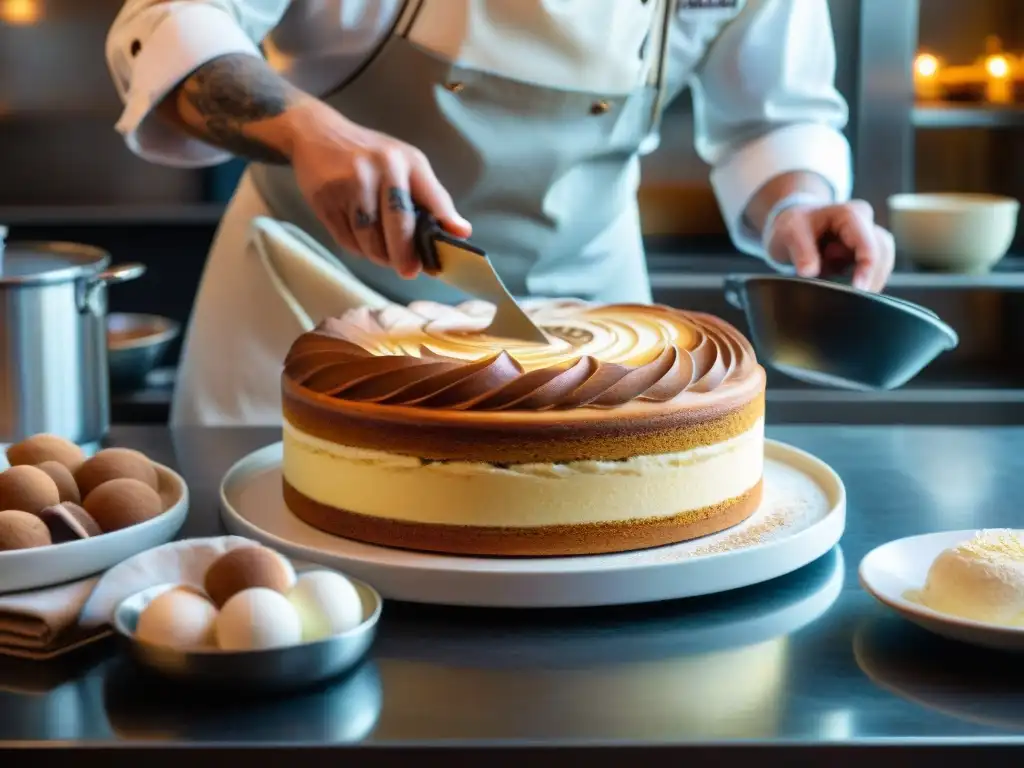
(953, 232)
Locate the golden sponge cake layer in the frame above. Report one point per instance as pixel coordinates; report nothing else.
(523, 509)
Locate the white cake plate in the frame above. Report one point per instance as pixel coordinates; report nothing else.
(801, 517)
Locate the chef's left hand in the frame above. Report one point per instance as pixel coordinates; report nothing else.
(826, 239)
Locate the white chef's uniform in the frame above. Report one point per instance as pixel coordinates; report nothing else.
(533, 114)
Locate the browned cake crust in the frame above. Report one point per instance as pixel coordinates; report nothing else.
(552, 540)
(376, 379)
(572, 436)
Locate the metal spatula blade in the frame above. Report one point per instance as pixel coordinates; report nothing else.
(466, 267)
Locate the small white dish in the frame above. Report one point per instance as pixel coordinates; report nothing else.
(953, 232)
(893, 570)
(22, 569)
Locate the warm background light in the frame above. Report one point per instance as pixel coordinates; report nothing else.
(20, 12)
(997, 66)
(926, 65)
(926, 82)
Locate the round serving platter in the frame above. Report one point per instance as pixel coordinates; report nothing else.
(801, 517)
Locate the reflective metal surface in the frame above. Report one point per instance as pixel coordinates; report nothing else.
(274, 669)
(714, 669)
(466, 267)
(832, 335)
(53, 340)
(135, 344)
(981, 381)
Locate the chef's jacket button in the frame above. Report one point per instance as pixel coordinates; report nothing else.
(454, 87)
(599, 107)
(135, 48)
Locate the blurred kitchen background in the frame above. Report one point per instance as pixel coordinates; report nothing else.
(936, 92)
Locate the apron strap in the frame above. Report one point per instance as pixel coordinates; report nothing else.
(401, 25)
(658, 46)
(407, 17)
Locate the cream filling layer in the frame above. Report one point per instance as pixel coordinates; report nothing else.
(402, 488)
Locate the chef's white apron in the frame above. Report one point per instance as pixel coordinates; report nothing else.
(548, 178)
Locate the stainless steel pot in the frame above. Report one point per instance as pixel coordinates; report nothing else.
(53, 339)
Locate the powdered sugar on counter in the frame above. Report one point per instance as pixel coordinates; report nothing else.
(792, 502)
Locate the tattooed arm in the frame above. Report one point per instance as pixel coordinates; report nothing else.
(238, 103)
(360, 183)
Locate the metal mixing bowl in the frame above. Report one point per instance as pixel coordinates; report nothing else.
(276, 669)
(833, 335)
(135, 345)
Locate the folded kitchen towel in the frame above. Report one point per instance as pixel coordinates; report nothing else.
(310, 279)
(43, 623)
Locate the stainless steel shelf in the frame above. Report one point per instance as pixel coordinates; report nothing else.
(180, 213)
(967, 116)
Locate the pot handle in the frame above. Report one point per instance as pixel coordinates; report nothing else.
(120, 273)
(733, 287)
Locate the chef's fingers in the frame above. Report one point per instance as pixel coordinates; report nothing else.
(793, 240)
(364, 214)
(887, 251)
(430, 194)
(330, 211)
(398, 217)
(854, 225)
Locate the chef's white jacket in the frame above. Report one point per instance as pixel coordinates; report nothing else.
(761, 72)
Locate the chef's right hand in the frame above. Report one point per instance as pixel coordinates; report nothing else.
(361, 184)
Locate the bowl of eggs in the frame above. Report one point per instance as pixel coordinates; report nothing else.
(64, 515)
(256, 623)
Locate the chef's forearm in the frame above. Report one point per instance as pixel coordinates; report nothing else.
(238, 103)
(780, 187)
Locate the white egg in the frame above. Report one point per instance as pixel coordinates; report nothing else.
(257, 619)
(327, 604)
(178, 618)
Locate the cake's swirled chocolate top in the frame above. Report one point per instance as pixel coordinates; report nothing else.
(433, 356)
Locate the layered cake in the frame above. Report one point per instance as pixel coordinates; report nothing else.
(635, 426)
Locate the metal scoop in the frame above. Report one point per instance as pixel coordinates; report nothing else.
(832, 335)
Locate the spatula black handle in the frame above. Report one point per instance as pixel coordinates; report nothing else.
(427, 234)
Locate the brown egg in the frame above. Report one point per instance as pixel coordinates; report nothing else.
(40, 448)
(63, 479)
(114, 463)
(121, 503)
(247, 567)
(68, 522)
(27, 488)
(21, 530)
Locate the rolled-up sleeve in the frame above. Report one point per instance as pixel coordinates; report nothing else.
(765, 104)
(154, 45)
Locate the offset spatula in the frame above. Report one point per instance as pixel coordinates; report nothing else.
(466, 267)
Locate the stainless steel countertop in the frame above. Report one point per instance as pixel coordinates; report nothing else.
(706, 671)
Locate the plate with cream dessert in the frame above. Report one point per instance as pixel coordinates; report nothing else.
(962, 585)
(623, 461)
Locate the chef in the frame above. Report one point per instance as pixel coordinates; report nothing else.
(519, 122)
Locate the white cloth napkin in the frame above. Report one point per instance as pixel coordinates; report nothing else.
(43, 623)
(182, 562)
(309, 278)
